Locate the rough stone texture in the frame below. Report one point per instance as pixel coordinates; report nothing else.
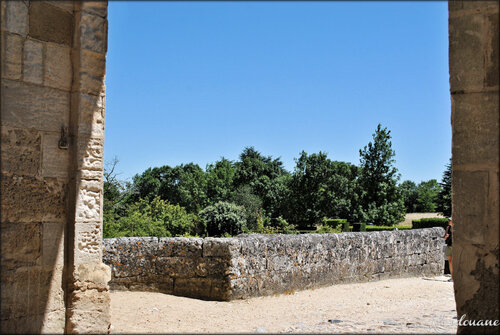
(255, 265)
(473, 34)
(33, 62)
(50, 23)
(12, 46)
(51, 205)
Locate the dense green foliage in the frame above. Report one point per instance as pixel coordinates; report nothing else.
(380, 198)
(256, 194)
(381, 228)
(153, 218)
(429, 223)
(421, 198)
(224, 217)
(444, 197)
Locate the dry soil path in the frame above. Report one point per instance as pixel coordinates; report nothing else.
(410, 305)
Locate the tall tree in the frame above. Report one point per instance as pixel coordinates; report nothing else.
(321, 187)
(408, 190)
(444, 196)
(427, 193)
(381, 200)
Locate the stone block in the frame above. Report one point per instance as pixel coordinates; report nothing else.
(52, 244)
(88, 248)
(470, 196)
(16, 17)
(475, 128)
(68, 6)
(24, 292)
(93, 32)
(21, 245)
(27, 106)
(95, 7)
(90, 76)
(89, 312)
(50, 23)
(54, 322)
(33, 62)
(91, 111)
(214, 247)
(12, 50)
(492, 56)
(193, 287)
(55, 161)
(32, 199)
(89, 201)
(58, 68)
(467, 39)
(90, 153)
(21, 152)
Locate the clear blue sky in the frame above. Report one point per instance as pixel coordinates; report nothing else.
(195, 81)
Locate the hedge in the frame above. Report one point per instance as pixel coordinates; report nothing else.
(429, 223)
(380, 228)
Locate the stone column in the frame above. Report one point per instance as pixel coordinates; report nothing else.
(474, 83)
(88, 298)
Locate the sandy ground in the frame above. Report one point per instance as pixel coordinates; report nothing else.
(410, 305)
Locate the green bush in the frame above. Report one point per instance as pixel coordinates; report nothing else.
(429, 223)
(380, 228)
(323, 229)
(336, 224)
(152, 218)
(224, 218)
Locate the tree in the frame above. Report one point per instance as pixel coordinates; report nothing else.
(224, 218)
(427, 193)
(320, 187)
(408, 190)
(220, 178)
(444, 196)
(381, 200)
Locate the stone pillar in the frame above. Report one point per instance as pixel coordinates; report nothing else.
(474, 83)
(52, 112)
(88, 297)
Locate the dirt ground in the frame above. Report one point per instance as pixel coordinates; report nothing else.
(408, 305)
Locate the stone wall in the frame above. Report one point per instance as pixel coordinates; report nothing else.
(52, 136)
(255, 265)
(474, 83)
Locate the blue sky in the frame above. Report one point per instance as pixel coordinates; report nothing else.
(195, 81)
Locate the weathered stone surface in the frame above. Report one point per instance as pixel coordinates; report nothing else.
(475, 130)
(90, 77)
(52, 244)
(492, 71)
(55, 161)
(88, 247)
(28, 106)
(21, 151)
(467, 37)
(42, 199)
(65, 5)
(252, 265)
(21, 245)
(50, 23)
(91, 114)
(33, 62)
(16, 17)
(91, 152)
(58, 71)
(94, 32)
(95, 7)
(12, 46)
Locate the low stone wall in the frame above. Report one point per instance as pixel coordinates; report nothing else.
(255, 265)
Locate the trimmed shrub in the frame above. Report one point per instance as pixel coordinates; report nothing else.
(381, 228)
(224, 218)
(429, 223)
